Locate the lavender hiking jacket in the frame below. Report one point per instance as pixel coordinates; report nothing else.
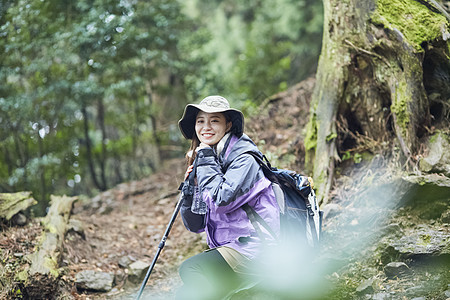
(225, 183)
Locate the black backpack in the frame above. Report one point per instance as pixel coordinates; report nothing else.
(301, 217)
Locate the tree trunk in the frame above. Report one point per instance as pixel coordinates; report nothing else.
(370, 80)
(13, 203)
(44, 262)
(103, 155)
(158, 154)
(89, 148)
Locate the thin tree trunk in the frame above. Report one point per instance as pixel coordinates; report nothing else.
(43, 201)
(88, 148)
(103, 155)
(154, 124)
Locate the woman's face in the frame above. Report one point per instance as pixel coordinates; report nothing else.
(211, 127)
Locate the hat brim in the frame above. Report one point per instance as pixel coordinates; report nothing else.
(187, 122)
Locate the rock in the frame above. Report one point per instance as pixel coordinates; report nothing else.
(438, 158)
(76, 226)
(366, 287)
(396, 269)
(447, 293)
(137, 271)
(394, 229)
(381, 296)
(330, 210)
(422, 241)
(94, 281)
(445, 217)
(125, 261)
(19, 219)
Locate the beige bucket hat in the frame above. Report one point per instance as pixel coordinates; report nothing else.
(210, 104)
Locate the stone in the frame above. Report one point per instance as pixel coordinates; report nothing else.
(94, 281)
(137, 271)
(438, 158)
(19, 219)
(366, 287)
(125, 261)
(396, 269)
(381, 296)
(76, 226)
(330, 210)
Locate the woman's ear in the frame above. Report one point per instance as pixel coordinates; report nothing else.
(229, 125)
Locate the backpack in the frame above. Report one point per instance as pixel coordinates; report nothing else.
(300, 215)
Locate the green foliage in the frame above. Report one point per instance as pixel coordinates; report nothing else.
(259, 47)
(79, 93)
(92, 89)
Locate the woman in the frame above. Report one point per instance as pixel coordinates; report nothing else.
(226, 177)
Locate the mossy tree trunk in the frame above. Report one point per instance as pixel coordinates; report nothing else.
(370, 80)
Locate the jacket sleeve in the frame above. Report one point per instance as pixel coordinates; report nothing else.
(192, 221)
(224, 190)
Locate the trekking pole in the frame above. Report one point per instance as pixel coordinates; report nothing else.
(161, 245)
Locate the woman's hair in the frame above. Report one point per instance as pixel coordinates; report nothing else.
(190, 155)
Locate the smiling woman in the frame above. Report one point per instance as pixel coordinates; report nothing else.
(211, 127)
(222, 176)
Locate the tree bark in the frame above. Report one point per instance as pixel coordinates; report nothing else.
(370, 77)
(103, 156)
(44, 268)
(13, 203)
(89, 149)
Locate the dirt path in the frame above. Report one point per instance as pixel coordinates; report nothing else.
(128, 223)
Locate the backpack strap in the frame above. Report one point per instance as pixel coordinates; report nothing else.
(256, 220)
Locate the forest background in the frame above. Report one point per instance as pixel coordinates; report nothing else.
(91, 90)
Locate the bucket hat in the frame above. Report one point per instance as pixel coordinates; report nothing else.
(210, 104)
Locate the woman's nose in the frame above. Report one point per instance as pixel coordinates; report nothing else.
(207, 125)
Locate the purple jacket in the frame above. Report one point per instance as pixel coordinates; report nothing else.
(225, 183)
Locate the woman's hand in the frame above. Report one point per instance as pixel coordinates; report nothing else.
(188, 171)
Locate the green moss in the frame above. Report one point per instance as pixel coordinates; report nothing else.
(52, 266)
(310, 142)
(22, 276)
(414, 20)
(311, 133)
(400, 107)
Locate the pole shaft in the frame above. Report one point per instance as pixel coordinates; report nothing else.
(161, 245)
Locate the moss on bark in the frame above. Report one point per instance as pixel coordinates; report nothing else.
(411, 19)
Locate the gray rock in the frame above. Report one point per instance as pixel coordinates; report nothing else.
(137, 271)
(94, 281)
(396, 269)
(447, 293)
(438, 158)
(125, 261)
(77, 227)
(423, 240)
(331, 210)
(381, 296)
(19, 219)
(366, 287)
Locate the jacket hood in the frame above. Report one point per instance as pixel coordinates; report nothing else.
(236, 146)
